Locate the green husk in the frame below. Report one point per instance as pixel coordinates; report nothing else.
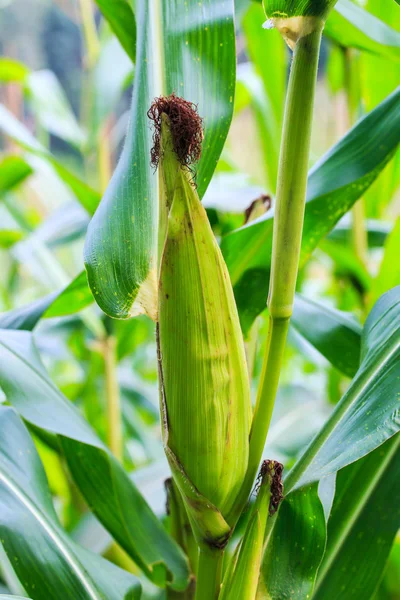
(205, 392)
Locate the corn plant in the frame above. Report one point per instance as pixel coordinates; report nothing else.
(247, 517)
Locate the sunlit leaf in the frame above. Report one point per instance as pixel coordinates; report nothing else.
(13, 171)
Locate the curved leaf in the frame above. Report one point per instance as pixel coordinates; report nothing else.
(351, 26)
(194, 57)
(42, 555)
(107, 488)
(335, 334)
(338, 179)
(122, 21)
(369, 412)
(13, 171)
(72, 299)
(363, 524)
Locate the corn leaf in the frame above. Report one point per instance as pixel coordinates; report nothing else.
(352, 26)
(295, 548)
(32, 535)
(338, 179)
(361, 527)
(13, 171)
(121, 19)
(335, 334)
(368, 413)
(15, 130)
(195, 58)
(107, 488)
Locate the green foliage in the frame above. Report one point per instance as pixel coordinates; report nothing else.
(83, 517)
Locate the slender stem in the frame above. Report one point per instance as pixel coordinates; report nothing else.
(90, 31)
(352, 90)
(113, 398)
(209, 573)
(288, 227)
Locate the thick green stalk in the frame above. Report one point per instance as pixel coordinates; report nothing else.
(209, 573)
(288, 227)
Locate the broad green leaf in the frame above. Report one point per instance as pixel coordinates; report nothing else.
(121, 19)
(389, 271)
(338, 179)
(194, 57)
(377, 231)
(42, 555)
(12, 70)
(52, 108)
(13, 171)
(351, 26)
(106, 487)
(295, 548)
(369, 412)
(335, 334)
(14, 129)
(364, 520)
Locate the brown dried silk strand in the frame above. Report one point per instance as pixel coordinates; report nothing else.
(272, 469)
(186, 127)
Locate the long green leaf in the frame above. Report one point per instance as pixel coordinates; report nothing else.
(42, 556)
(351, 26)
(335, 334)
(13, 171)
(107, 488)
(188, 49)
(334, 184)
(362, 526)
(122, 21)
(295, 549)
(369, 412)
(14, 129)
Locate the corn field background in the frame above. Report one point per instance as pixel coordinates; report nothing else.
(83, 500)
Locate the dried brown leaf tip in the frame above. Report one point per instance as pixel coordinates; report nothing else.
(272, 470)
(186, 127)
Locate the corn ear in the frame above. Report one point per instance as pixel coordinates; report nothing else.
(205, 395)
